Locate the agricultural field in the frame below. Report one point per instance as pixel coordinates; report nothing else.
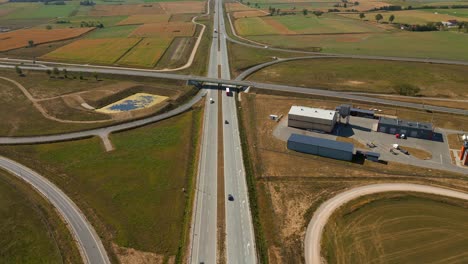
(250, 13)
(172, 29)
(398, 228)
(286, 187)
(411, 17)
(300, 24)
(443, 44)
(20, 38)
(133, 195)
(146, 53)
(32, 232)
(116, 29)
(461, 14)
(101, 51)
(372, 76)
(144, 19)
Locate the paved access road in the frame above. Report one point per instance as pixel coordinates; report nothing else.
(90, 244)
(322, 214)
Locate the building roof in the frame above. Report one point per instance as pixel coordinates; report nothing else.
(312, 112)
(321, 142)
(373, 154)
(405, 123)
(358, 110)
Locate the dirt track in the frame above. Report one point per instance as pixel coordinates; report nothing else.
(322, 214)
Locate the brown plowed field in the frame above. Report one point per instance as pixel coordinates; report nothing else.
(234, 7)
(19, 38)
(280, 28)
(144, 19)
(125, 10)
(174, 29)
(190, 7)
(250, 13)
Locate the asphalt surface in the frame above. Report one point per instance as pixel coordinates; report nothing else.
(204, 228)
(316, 225)
(90, 244)
(240, 239)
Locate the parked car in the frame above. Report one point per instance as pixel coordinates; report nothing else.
(393, 152)
(371, 144)
(404, 151)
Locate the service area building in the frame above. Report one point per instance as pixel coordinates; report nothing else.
(409, 128)
(321, 147)
(312, 118)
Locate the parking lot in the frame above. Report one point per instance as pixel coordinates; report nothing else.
(363, 130)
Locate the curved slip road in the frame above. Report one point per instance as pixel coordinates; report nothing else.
(322, 214)
(90, 245)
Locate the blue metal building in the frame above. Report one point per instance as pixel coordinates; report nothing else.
(321, 147)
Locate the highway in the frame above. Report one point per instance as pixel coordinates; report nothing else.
(204, 227)
(89, 243)
(322, 214)
(240, 239)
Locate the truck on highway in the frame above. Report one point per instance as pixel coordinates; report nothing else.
(228, 92)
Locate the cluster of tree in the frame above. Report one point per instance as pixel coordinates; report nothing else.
(55, 73)
(388, 8)
(256, 5)
(91, 24)
(427, 27)
(379, 17)
(407, 89)
(19, 71)
(54, 2)
(87, 3)
(62, 21)
(333, 10)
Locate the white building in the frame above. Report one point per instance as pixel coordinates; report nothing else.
(312, 118)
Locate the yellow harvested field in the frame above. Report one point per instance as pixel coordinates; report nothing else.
(147, 53)
(368, 5)
(20, 38)
(234, 7)
(134, 102)
(101, 51)
(411, 17)
(188, 7)
(250, 13)
(125, 10)
(170, 29)
(144, 19)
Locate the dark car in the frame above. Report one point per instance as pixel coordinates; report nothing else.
(404, 151)
(226, 122)
(230, 197)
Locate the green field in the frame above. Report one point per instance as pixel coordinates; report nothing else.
(404, 229)
(254, 26)
(372, 76)
(101, 51)
(31, 232)
(38, 11)
(132, 195)
(412, 16)
(147, 53)
(462, 13)
(327, 23)
(434, 45)
(112, 32)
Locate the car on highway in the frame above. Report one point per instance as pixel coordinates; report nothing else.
(211, 100)
(226, 122)
(404, 151)
(230, 197)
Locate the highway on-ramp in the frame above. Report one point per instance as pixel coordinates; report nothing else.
(322, 214)
(90, 245)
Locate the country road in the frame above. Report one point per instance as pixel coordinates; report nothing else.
(89, 243)
(320, 218)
